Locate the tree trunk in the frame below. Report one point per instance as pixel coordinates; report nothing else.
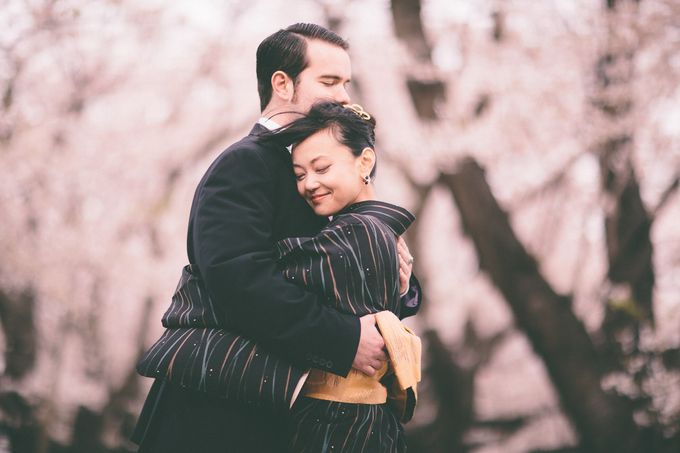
(18, 327)
(427, 90)
(604, 421)
(627, 222)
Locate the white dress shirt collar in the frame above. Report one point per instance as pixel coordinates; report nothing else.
(269, 123)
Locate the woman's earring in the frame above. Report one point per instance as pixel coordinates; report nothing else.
(367, 179)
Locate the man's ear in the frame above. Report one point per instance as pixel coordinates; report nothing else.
(366, 161)
(282, 86)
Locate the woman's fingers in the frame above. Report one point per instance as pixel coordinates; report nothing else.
(403, 281)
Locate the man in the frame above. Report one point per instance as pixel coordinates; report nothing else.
(246, 201)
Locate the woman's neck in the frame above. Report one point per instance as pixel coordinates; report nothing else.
(367, 193)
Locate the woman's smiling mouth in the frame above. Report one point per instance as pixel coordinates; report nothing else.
(317, 198)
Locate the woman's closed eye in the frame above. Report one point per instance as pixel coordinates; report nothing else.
(323, 169)
(300, 176)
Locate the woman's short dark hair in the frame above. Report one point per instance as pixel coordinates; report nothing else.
(286, 50)
(348, 127)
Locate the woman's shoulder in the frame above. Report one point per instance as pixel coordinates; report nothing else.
(371, 214)
(357, 223)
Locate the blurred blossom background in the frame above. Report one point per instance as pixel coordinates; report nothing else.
(538, 142)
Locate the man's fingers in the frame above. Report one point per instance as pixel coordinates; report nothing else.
(371, 354)
(367, 320)
(374, 366)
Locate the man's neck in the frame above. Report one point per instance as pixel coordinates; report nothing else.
(281, 114)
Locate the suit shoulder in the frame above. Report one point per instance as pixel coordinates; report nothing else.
(246, 148)
(247, 153)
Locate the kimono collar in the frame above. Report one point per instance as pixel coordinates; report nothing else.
(395, 217)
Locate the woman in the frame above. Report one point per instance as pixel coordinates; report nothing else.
(353, 262)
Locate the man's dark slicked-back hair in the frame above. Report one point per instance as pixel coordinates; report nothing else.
(286, 50)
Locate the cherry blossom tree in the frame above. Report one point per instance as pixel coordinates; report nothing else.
(537, 143)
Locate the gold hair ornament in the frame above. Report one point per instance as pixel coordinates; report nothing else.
(359, 110)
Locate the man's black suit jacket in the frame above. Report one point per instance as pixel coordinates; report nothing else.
(244, 204)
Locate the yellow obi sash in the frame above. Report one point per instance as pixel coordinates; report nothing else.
(356, 388)
(404, 351)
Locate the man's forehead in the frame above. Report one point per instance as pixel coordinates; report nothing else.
(328, 58)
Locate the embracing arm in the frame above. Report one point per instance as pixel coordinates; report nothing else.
(233, 241)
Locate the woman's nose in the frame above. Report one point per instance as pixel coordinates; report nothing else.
(311, 183)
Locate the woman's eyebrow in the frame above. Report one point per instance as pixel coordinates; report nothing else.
(311, 161)
(317, 158)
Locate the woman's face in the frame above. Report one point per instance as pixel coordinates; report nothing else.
(329, 176)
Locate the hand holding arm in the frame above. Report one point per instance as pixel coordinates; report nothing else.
(411, 294)
(370, 353)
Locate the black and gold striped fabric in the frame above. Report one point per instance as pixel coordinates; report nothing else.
(353, 262)
(191, 304)
(213, 359)
(329, 426)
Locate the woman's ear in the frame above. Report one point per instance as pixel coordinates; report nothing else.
(282, 86)
(366, 161)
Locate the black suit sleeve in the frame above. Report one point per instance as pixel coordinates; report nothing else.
(410, 302)
(234, 250)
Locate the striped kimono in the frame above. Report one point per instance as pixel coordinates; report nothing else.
(353, 264)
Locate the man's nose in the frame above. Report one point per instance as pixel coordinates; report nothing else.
(341, 95)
